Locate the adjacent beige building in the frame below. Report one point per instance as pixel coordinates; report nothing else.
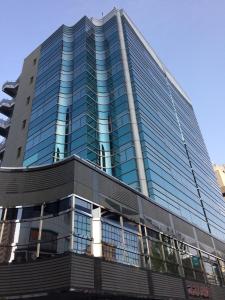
(220, 176)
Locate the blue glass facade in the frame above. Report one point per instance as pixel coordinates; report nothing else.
(178, 169)
(81, 107)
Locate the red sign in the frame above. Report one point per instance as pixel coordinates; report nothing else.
(198, 291)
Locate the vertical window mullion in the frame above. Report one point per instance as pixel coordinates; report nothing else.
(40, 230)
(72, 223)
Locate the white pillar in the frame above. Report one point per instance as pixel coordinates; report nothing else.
(72, 222)
(97, 233)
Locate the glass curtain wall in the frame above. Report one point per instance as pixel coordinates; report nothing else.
(56, 228)
(209, 191)
(40, 145)
(178, 169)
(84, 137)
(122, 145)
(63, 120)
(80, 107)
(103, 100)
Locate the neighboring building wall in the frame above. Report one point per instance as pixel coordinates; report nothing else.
(17, 137)
(220, 176)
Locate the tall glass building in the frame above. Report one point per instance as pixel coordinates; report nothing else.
(98, 90)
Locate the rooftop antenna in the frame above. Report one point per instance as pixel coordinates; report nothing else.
(102, 14)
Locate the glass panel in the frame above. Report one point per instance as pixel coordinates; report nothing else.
(8, 232)
(222, 268)
(26, 238)
(52, 247)
(82, 233)
(170, 254)
(187, 265)
(156, 256)
(132, 248)
(130, 225)
(57, 207)
(167, 240)
(55, 232)
(31, 212)
(112, 242)
(209, 272)
(217, 274)
(11, 214)
(83, 205)
(111, 218)
(152, 233)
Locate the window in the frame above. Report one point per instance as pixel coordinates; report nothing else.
(24, 124)
(82, 227)
(212, 270)
(82, 233)
(19, 149)
(34, 61)
(156, 254)
(31, 79)
(28, 100)
(191, 261)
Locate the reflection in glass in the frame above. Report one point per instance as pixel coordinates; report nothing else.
(27, 239)
(156, 254)
(55, 234)
(82, 233)
(132, 248)
(31, 212)
(112, 242)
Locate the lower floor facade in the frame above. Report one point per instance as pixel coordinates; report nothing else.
(69, 231)
(73, 276)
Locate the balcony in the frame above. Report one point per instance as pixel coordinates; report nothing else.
(10, 88)
(2, 149)
(6, 107)
(4, 127)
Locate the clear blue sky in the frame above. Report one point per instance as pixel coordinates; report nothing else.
(188, 36)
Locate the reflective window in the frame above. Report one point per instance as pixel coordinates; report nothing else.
(82, 227)
(55, 234)
(53, 228)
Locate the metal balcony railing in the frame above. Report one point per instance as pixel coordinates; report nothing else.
(2, 146)
(4, 123)
(7, 103)
(7, 106)
(10, 88)
(4, 127)
(2, 150)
